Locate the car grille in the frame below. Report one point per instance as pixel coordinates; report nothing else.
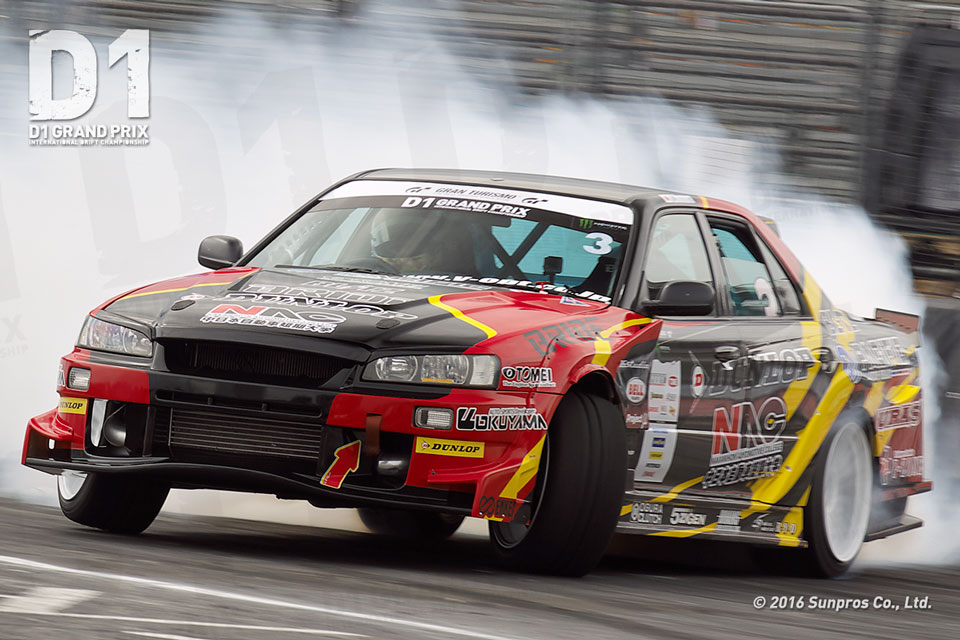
(224, 432)
(251, 363)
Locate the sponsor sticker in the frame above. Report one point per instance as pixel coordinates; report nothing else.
(454, 448)
(274, 317)
(698, 382)
(73, 405)
(898, 417)
(656, 453)
(646, 513)
(527, 377)
(746, 442)
(687, 517)
(664, 388)
(500, 419)
(636, 390)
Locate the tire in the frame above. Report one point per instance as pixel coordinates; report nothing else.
(115, 504)
(838, 512)
(414, 525)
(576, 500)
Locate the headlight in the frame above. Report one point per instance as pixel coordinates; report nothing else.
(453, 370)
(106, 336)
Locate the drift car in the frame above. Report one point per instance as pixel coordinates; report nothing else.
(560, 357)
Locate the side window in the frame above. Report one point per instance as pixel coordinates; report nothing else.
(749, 282)
(676, 252)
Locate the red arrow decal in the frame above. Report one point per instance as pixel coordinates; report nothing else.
(345, 460)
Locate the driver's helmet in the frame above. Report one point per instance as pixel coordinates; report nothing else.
(406, 239)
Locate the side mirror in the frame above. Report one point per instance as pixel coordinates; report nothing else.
(219, 252)
(682, 298)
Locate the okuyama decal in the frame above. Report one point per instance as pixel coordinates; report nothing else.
(530, 377)
(746, 442)
(500, 419)
(455, 448)
(275, 317)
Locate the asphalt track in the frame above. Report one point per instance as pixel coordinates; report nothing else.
(203, 578)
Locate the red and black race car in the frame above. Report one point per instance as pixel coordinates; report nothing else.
(563, 358)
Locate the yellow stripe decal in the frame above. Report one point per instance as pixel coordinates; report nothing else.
(704, 202)
(811, 291)
(460, 315)
(874, 399)
(771, 490)
(601, 345)
(903, 393)
(794, 517)
(526, 472)
(798, 388)
(685, 533)
(673, 493)
(625, 509)
(150, 293)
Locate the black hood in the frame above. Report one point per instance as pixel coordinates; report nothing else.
(288, 306)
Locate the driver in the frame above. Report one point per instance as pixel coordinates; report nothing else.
(407, 239)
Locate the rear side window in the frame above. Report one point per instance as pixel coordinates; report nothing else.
(753, 290)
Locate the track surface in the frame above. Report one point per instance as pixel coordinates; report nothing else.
(206, 578)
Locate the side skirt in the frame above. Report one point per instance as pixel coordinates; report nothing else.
(656, 514)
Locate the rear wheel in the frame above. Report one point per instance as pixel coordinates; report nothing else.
(117, 504)
(576, 499)
(839, 508)
(419, 525)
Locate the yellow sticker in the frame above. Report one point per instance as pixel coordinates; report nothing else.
(456, 448)
(73, 405)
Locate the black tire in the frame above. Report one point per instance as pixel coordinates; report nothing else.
(414, 525)
(837, 520)
(113, 503)
(576, 501)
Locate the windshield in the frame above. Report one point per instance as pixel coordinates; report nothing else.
(490, 236)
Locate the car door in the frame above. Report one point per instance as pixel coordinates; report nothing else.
(752, 434)
(670, 406)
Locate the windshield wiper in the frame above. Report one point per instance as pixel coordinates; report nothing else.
(333, 267)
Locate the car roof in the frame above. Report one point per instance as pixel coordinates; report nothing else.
(577, 187)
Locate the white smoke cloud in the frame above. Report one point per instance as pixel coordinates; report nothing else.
(240, 137)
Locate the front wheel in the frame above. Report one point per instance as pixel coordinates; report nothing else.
(417, 525)
(576, 499)
(112, 503)
(838, 512)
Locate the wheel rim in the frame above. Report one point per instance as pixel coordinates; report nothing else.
(69, 483)
(847, 485)
(510, 534)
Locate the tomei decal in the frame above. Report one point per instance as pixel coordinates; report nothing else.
(898, 417)
(73, 405)
(275, 317)
(656, 454)
(664, 390)
(455, 448)
(500, 419)
(746, 442)
(527, 377)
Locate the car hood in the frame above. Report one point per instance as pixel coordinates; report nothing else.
(287, 307)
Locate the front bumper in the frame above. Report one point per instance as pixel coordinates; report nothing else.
(208, 433)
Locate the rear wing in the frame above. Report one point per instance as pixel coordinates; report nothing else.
(906, 322)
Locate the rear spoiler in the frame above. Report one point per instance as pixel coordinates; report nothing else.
(906, 322)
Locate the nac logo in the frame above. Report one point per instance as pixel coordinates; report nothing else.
(133, 46)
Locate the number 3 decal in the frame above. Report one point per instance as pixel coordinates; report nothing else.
(602, 247)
